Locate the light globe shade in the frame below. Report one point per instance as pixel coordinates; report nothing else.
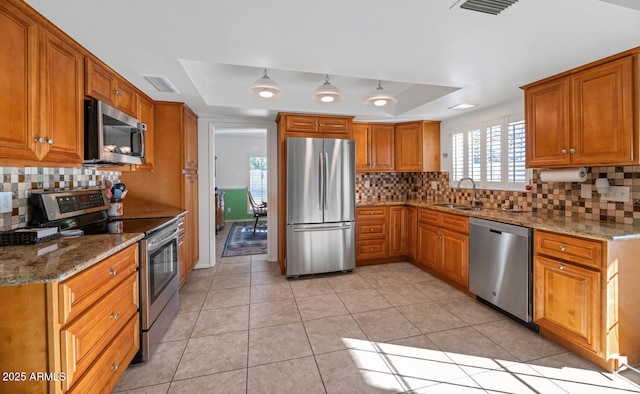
(380, 98)
(265, 87)
(327, 93)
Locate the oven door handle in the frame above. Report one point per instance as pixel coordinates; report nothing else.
(151, 246)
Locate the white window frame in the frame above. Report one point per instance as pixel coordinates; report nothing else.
(463, 164)
(258, 199)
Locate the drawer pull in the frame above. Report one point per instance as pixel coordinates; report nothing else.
(371, 213)
(371, 229)
(560, 267)
(113, 272)
(115, 367)
(115, 316)
(371, 250)
(562, 248)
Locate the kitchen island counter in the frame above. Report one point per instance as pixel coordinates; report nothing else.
(60, 259)
(594, 229)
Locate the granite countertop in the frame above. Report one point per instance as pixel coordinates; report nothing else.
(595, 229)
(57, 260)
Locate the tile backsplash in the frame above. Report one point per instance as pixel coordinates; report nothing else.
(20, 181)
(558, 198)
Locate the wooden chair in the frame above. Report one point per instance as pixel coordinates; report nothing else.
(259, 210)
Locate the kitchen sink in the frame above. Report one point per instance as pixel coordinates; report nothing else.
(458, 207)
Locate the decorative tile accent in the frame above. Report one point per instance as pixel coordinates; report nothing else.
(20, 181)
(558, 198)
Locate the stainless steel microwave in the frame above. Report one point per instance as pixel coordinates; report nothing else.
(112, 137)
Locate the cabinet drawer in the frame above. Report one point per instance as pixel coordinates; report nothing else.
(371, 249)
(84, 339)
(371, 213)
(308, 124)
(578, 250)
(455, 223)
(109, 367)
(371, 229)
(334, 125)
(429, 216)
(82, 290)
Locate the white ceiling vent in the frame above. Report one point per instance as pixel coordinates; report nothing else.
(493, 7)
(161, 83)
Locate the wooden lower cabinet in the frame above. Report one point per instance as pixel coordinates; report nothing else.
(412, 233)
(371, 233)
(83, 331)
(397, 231)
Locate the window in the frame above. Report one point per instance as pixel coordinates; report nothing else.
(258, 179)
(493, 155)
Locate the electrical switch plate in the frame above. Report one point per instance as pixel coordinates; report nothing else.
(5, 202)
(228, 209)
(367, 184)
(616, 193)
(434, 185)
(586, 191)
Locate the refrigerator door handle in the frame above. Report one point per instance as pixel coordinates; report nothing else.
(321, 181)
(323, 228)
(326, 173)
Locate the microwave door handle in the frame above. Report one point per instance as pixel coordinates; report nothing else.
(142, 139)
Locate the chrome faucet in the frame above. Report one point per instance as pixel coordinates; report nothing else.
(474, 201)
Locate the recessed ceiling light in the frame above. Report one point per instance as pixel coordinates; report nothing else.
(463, 106)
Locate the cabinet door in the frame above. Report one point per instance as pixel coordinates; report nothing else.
(99, 82)
(397, 233)
(567, 301)
(126, 98)
(408, 147)
(61, 100)
(191, 140)
(191, 222)
(301, 123)
(455, 256)
(382, 147)
(333, 125)
(361, 133)
(18, 84)
(428, 246)
(412, 233)
(145, 115)
(602, 114)
(547, 120)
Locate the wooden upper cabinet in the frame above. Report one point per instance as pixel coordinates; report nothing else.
(145, 115)
(361, 134)
(104, 84)
(300, 123)
(191, 140)
(61, 100)
(18, 84)
(584, 117)
(374, 147)
(417, 146)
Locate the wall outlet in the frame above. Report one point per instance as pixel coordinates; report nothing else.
(616, 193)
(229, 210)
(367, 184)
(5, 202)
(586, 191)
(434, 185)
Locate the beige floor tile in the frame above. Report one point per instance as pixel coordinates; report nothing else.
(191, 302)
(273, 314)
(430, 317)
(264, 265)
(310, 287)
(221, 320)
(235, 259)
(271, 292)
(235, 268)
(277, 343)
(348, 282)
(180, 327)
(230, 281)
(382, 278)
(438, 290)
(385, 325)
(404, 294)
(372, 268)
(336, 333)
(419, 346)
(415, 372)
(220, 298)
(414, 275)
(363, 300)
(394, 267)
(267, 277)
(213, 354)
(196, 284)
(318, 307)
(220, 383)
(523, 380)
(564, 360)
(356, 371)
(259, 257)
(474, 352)
(471, 311)
(156, 389)
(460, 386)
(159, 369)
(519, 340)
(292, 376)
(203, 272)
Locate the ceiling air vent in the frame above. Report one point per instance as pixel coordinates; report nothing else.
(493, 7)
(161, 83)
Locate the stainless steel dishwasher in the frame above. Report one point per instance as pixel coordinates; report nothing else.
(501, 267)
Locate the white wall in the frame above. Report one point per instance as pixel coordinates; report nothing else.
(468, 120)
(233, 159)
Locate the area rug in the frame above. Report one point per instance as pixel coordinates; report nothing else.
(242, 241)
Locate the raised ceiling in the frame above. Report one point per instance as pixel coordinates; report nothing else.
(431, 54)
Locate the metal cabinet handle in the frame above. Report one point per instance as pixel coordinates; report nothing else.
(50, 141)
(371, 229)
(113, 272)
(114, 316)
(371, 250)
(562, 248)
(40, 140)
(115, 367)
(572, 151)
(561, 267)
(564, 151)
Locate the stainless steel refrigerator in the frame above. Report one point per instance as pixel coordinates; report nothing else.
(320, 205)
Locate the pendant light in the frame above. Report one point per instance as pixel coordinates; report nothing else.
(379, 98)
(265, 87)
(327, 93)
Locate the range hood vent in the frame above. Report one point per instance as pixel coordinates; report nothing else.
(161, 83)
(493, 7)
